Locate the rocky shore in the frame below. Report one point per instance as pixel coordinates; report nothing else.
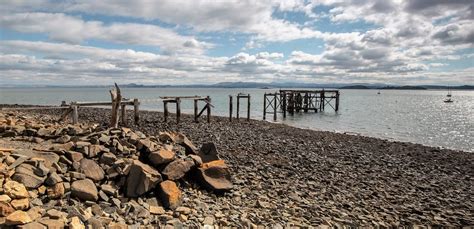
(284, 176)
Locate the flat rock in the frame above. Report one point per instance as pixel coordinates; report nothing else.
(208, 152)
(215, 175)
(170, 194)
(6, 209)
(76, 223)
(15, 190)
(17, 218)
(74, 156)
(49, 157)
(161, 156)
(52, 179)
(20, 204)
(84, 190)
(177, 169)
(25, 175)
(56, 191)
(91, 169)
(141, 179)
(32, 225)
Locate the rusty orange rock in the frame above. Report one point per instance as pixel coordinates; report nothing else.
(170, 194)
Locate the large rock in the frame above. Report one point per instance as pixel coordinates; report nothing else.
(20, 204)
(161, 156)
(15, 190)
(18, 218)
(141, 179)
(56, 191)
(208, 152)
(91, 169)
(186, 143)
(49, 157)
(6, 209)
(177, 169)
(25, 175)
(215, 175)
(84, 190)
(170, 194)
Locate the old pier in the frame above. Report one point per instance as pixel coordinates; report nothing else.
(291, 101)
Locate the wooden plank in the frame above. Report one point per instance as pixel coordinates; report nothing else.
(136, 111)
(178, 110)
(248, 108)
(116, 97)
(264, 105)
(195, 110)
(230, 108)
(208, 109)
(238, 108)
(165, 112)
(75, 115)
(124, 115)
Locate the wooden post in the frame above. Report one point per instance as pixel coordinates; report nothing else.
(275, 107)
(195, 110)
(136, 105)
(178, 109)
(165, 111)
(337, 101)
(230, 108)
(208, 109)
(264, 105)
(284, 104)
(116, 100)
(238, 107)
(248, 108)
(305, 102)
(124, 115)
(323, 99)
(75, 115)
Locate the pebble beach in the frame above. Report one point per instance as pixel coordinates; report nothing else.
(285, 176)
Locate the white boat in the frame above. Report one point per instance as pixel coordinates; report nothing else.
(448, 97)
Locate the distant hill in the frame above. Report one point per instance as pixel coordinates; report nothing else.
(403, 88)
(355, 87)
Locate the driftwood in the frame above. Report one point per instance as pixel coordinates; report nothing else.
(116, 100)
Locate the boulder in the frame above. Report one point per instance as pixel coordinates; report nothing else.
(161, 156)
(20, 204)
(74, 156)
(177, 169)
(53, 179)
(84, 190)
(141, 179)
(170, 194)
(108, 158)
(208, 152)
(25, 175)
(56, 191)
(49, 157)
(17, 218)
(146, 145)
(33, 225)
(215, 175)
(6, 209)
(15, 190)
(51, 223)
(76, 223)
(91, 169)
(186, 143)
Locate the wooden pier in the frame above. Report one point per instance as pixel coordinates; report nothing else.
(177, 101)
(291, 101)
(239, 96)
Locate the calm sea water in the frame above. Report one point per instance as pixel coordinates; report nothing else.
(412, 116)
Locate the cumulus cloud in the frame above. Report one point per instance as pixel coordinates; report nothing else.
(65, 28)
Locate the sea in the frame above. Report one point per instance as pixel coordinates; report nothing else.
(418, 116)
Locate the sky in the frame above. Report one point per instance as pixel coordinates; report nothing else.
(90, 42)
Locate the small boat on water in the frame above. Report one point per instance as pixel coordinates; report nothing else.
(448, 97)
(378, 93)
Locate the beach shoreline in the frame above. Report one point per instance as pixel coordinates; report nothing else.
(284, 174)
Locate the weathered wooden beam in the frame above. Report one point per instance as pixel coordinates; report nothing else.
(248, 107)
(264, 105)
(75, 115)
(230, 108)
(195, 110)
(136, 111)
(208, 109)
(165, 111)
(178, 110)
(116, 100)
(238, 108)
(124, 115)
